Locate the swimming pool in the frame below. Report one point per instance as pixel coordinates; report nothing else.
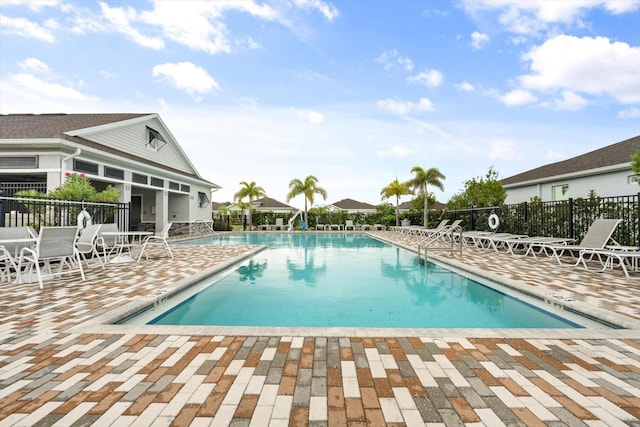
(346, 279)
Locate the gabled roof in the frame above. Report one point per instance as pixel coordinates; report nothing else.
(612, 155)
(352, 205)
(408, 205)
(267, 203)
(69, 126)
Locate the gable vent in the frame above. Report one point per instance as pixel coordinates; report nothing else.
(19, 162)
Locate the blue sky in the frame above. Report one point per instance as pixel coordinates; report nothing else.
(355, 93)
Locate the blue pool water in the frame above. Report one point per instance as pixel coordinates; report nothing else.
(347, 279)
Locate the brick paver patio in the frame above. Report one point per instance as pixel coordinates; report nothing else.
(62, 364)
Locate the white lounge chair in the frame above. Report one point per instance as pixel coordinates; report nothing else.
(321, 227)
(86, 243)
(54, 245)
(627, 258)
(348, 224)
(279, 225)
(597, 237)
(422, 231)
(157, 240)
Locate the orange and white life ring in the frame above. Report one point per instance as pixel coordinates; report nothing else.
(494, 222)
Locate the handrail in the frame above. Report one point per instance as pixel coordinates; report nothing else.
(207, 226)
(441, 236)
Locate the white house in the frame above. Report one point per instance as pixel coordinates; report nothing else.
(136, 153)
(607, 171)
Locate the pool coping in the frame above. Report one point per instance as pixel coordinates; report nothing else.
(106, 323)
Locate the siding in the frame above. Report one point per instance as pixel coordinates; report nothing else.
(133, 140)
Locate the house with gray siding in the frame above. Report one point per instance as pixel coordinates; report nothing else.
(607, 171)
(135, 153)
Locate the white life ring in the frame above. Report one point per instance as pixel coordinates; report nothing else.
(83, 219)
(494, 222)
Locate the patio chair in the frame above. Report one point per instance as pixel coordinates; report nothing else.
(348, 224)
(321, 227)
(7, 265)
(108, 243)
(422, 231)
(86, 243)
(279, 225)
(157, 240)
(54, 245)
(597, 237)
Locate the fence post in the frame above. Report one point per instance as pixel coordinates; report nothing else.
(571, 216)
(1, 210)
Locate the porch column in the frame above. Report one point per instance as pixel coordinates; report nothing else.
(162, 209)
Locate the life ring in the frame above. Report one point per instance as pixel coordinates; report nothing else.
(84, 219)
(494, 222)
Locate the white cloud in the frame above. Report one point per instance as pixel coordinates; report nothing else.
(187, 77)
(390, 58)
(478, 40)
(394, 151)
(517, 97)
(326, 9)
(631, 113)
(34, 85)
(595, 66)
(119, 19)
(24, 28)
(569, 101)
(554, 155)
(465, 87)
(311, 116)
(36, 6)
(534, 16)
(34, 65)
(502, 150)
(402, 108)
(431, 78)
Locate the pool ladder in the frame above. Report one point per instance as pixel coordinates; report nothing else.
(438, 242)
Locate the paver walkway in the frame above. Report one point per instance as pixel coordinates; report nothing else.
(60, 365)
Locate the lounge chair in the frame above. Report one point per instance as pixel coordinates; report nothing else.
(279, 225)
(157, 240)
(525, 244)
(348, 224)
(54, 245)
(86, 243)
(421, 231)
(597, 237)
(627, 258)
(336, 227)
(377, 227)
(321, 227)
(366, 227)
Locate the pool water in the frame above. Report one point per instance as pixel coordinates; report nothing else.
(347, 280)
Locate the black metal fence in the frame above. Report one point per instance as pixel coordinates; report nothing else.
(44, 211)
(570, 218)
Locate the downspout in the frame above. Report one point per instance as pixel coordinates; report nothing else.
(63, 162)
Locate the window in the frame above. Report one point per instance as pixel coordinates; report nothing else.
(157, 182)
(113, 172)
(186, 188)
(203, 200)
(87, 167)
(174, 186)
(139, 178)
(19, 162)
(560, 192)
(155, 140)
(633, 179)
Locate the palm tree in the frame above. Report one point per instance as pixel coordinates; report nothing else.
(308, 187)
(397, 189)
(253, 192)
(421, 180)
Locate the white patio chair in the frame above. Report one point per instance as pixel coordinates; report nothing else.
(279, 225)
(108, 243)
(157, 240)
(348, 225)
(54, 245)
(86, 243)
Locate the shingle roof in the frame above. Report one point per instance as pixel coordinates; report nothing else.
(27, 126)
(615, 154)
(350, 204)
(44, 126)
(269, 203)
